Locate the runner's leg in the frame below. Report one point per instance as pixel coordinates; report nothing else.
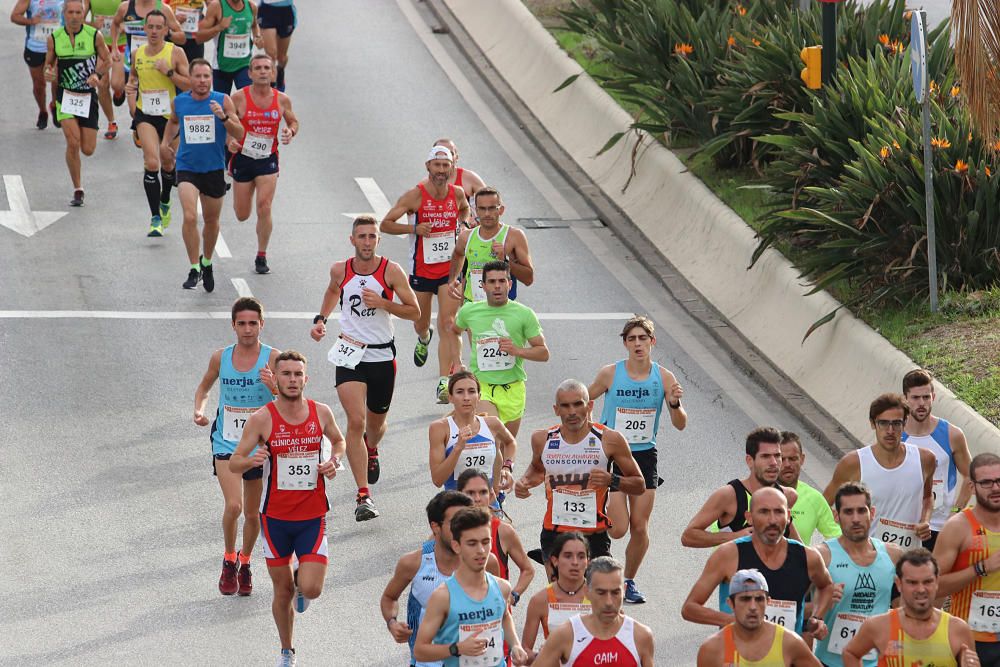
(422, 324)
(243, 199)
(618, 513)
(189, 204)
(71, 131)
(266, 185)
(231, 484)
(281, 605)
(211, 209)
(638, 522)
(38, 86)
(352, 397)
(449, 342)
(252, 490)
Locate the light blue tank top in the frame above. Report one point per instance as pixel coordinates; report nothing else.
(242, 394)
(464, 611)
(200, 158)
(866, 593)
(426, 581)
(36, 36)
(640, 403)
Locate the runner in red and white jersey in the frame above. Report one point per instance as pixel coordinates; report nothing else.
(254, 161)
(466, 179)
(288, 434)
(438, 209)
(606, 636)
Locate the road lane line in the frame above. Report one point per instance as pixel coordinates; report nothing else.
(241, 287)
(376, 198)
(238, 283)
(221, 249)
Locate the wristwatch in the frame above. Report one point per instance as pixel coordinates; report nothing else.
(319, 318)
(169, 73)
(616, 481)
(672, 406)
(453, 650)
(515, 597)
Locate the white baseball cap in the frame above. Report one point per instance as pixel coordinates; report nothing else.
(440, 153)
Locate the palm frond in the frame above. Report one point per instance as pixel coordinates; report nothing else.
(976, 34)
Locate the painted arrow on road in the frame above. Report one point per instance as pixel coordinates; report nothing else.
(373, 193)
(20, 218)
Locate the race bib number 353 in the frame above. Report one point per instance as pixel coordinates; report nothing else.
(297, 472)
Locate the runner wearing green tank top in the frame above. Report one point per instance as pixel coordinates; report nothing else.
(234, 25)
(102, 14)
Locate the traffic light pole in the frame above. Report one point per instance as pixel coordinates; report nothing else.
(829, 40)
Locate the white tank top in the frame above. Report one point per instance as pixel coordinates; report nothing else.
(372, 326)
(897, 495)
(945, 485)
(588, 650)
(480, 451)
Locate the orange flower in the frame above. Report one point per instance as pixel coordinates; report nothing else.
(970, 136)
(895, 144)
(988, 172)
(756, 42)
(907, 16)
(996, 145)
(885, 152)
(961, 167)
(731, 41)
(940, 143)
(934, 86)
(683, 49)
(955, 90)
(741, 10)
(896, 46)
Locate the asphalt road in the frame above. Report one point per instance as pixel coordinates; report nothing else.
(111, 542)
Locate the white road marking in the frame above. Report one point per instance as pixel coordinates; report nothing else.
(373, 193)
(212, 315)
(20, 218)
(221, 248)
(241, 287)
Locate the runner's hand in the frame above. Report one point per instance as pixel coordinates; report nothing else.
(968, 657)
(820, 631)
(260, 455)
(838, 593)
(455, 290)
(993, 562)
(507, 346)
(318, 331)
(286, 135)
(225, 21)
(924, 531)
(116, 56)
(676, 392)
(599, 479)
(328, 468)
(400, 631)
(746, 532)
(372, 299)
(49, 73)
(234, 146)
(93, 81)
(519, 655)
(530, 657)
(161, 65)
(215, 108)
(497, 250)
(521, 490)
(506, 480)
(472, 645)
(267, 377)
(423, 229)
(258, 41)
(200, 419)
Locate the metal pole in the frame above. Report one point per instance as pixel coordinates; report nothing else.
(929, 200)
(829, 41)
(804, 5)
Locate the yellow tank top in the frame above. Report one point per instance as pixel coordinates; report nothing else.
(152, 81)
(978, 604)
(904, 651)
(775, 656)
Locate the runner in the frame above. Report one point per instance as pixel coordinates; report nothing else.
(233, 23)
(365, 352)
(277, 20)
(288, 436)
(206, 117)
(189, 14)
(466, 441)
(811, 511)
(562, 599)
(789, 567)
(254, 164)
(862, 569)
(438, 209)
(504, 334)
(77, 59)
(41, 19)
(606, 636)
(947, 443)
(898, 474)
(968, 551)
(241, 393)
(466, 179)
(917, 633)
(102, 15)
(751, 634)
(159, 70)
(488, 241)
(634, 391)
(574, 461)
(723, 516)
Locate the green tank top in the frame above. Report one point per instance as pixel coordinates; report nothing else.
(478, 252)
(75, 60)
(235, 43)
(101, 14)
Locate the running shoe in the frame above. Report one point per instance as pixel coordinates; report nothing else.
(442, 391)
(207, 277)
(52, 112)
(245, 580)
(260, 265)
(420, 351)
(112, 131)
(193, 277)
(155, 227)
(374, 467)
(165, 214)
(43, 120)
(632, 594)
(227, 582)
(299, 602)
(77, 198)
(365, 509)
(286, 658)
(536, 555)
(118, 100)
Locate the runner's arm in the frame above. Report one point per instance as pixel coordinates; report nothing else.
(517, 653)
(174, 30)
(458, 257)
(205, 386)
(601, 384)
(535, 474)
(929, 463)
(234, 127)
(696, 533)
(405, 570)
(255, 433)
(963, 459)
(519, 256)
(506, 443)
(694, 610)
(863, 642)
(511, 543)
(19, 14)
(408, 309)
(537, 350)
(463, 207)
(644, 644)
(291, 120)
(424, 649)
(181, 78)
(796, 648)
(556, 649)
(537, 606)
(258, 36)
(442, 467)
(821, 579)
(50, 56)
(173, 125)
(493, 565)
(631, 481)
(338, 445)
(946, 550)
(711, 654)
(408, 203)
(672, 397)
(211, 24)
(848, 468)
(103, 65)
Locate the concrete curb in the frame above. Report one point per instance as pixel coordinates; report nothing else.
(841, 367)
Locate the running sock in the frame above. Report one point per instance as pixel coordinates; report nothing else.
(244, 559)
(196, 267)
(425, 339)
(280, 82)
(230, 557)
(261, 253)
(151, 184)
(363, 491)
(206, 262)
(169, 179)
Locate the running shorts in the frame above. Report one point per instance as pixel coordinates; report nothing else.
(244, 169)
(509, 399)
(421, 284)
(89, 122)
(282, 19)
(211, 184)
(646, 459)
(307, 539)
(249, 475)
(159, 122)
(379, 376)
(34, 58)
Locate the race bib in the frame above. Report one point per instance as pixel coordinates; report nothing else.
(438, 246)
(984, 611)
(233, 421)
(188, 18)
(489, 356)
(346, 352)
(937, 493)
(492, 632)
(257, 146)
(45, 29)
(636, 424)
(845, 626)
(76, 104)
(903, 535)
(137, 41)
(781, 612)
(577, 509)
(155, 102)
(199, 129)
(104, 24)
(476, 456)
(236, 46)
(562, 612)
(476, 283)
(297, 471)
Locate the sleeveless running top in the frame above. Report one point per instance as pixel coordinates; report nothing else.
(135, 30)
(188, 13)
(739, 520)
(102, 12)
(36, 36)
(370, 326)
(240, 395)
(479, 251)
(261, 125)
(293, 489)
(589, 651)
(978, 604)
(557, 613)
(898, 495)
(867, 592)
(467, 616)
(480, 452)
(235, 43)
(425, 582)
(203, 135)
(497, 549)
(788, 584)
(156, 90)
(633, 407)
(945, 486)
(431, 255)
(76, 59)
(775, 656)
(570, 505)
(904, 651)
